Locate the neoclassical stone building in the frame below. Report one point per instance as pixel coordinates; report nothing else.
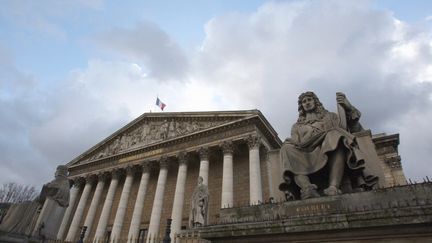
(126, 186)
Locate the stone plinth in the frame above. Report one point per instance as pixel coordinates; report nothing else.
(402, 213)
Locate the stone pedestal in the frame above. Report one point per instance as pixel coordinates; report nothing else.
(372, 162)
(49, 220)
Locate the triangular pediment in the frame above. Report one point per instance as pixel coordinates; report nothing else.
(152, 128)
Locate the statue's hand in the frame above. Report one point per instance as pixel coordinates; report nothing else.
(343, 101)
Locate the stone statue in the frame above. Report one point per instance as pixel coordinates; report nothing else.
(322, 152)
(55, 199)
(24, 220)
(199, 206)
(57, 189)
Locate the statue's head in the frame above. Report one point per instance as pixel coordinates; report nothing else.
(200, 180)
(62, 171)
(309, 100)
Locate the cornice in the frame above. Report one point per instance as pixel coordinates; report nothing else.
(386, 140)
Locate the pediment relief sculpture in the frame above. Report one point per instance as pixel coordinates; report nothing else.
(150, 132)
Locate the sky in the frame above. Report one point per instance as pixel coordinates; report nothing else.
(72, 72)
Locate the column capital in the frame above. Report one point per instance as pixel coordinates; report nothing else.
(116, 173)
(145, 166)
(129, 169)
(253, 141)
(227, 147)
(183, 158)
(78, 181)
(91, 178)
(264, 153)
(102, 176)
(203, 153)
(163, 162)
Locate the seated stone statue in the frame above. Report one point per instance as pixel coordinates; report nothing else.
(57, 189)
(322, 152)
(55, 199)
(24, 219)
(199, 205)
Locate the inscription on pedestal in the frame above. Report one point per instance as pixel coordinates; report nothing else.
(313, 208)
(282, 210)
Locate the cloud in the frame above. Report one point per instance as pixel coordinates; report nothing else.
(148, 44)
(20, 106)
(44, 16)
(265, 59)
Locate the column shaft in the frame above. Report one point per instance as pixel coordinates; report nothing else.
(269, 175)
(73, 229)
(106, 210)
(255, 185)
(73, 196)
(157, 205)
(121, 209)
(227, 177)
(177, 210)
(204, 165)
(93, 206)
(138, 208)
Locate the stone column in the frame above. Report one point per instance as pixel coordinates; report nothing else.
(204, 164)
(106, 209)
(139, 204)
(73, 196)
(94, 203)
(255, 186)
(73, 229)
(227, 176)
(121, 209)
(158, 202)
(269, 174)
(177, 209)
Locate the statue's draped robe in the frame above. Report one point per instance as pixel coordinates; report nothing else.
(58, 190)
(55, 199)
(313, 140)
(199, 206)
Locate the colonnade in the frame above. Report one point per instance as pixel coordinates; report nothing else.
(227, 196)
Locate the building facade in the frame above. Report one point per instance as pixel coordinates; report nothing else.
(126, 186)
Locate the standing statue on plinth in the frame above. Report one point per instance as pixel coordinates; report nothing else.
(322, 152)
(199, 206)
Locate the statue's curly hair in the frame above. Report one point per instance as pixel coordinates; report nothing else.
(319, 108)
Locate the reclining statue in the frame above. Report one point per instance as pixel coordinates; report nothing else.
(322, 152)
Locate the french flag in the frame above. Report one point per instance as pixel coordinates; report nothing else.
(160, 103)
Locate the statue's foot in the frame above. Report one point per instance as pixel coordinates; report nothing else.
(309, 192)
(332, 191)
